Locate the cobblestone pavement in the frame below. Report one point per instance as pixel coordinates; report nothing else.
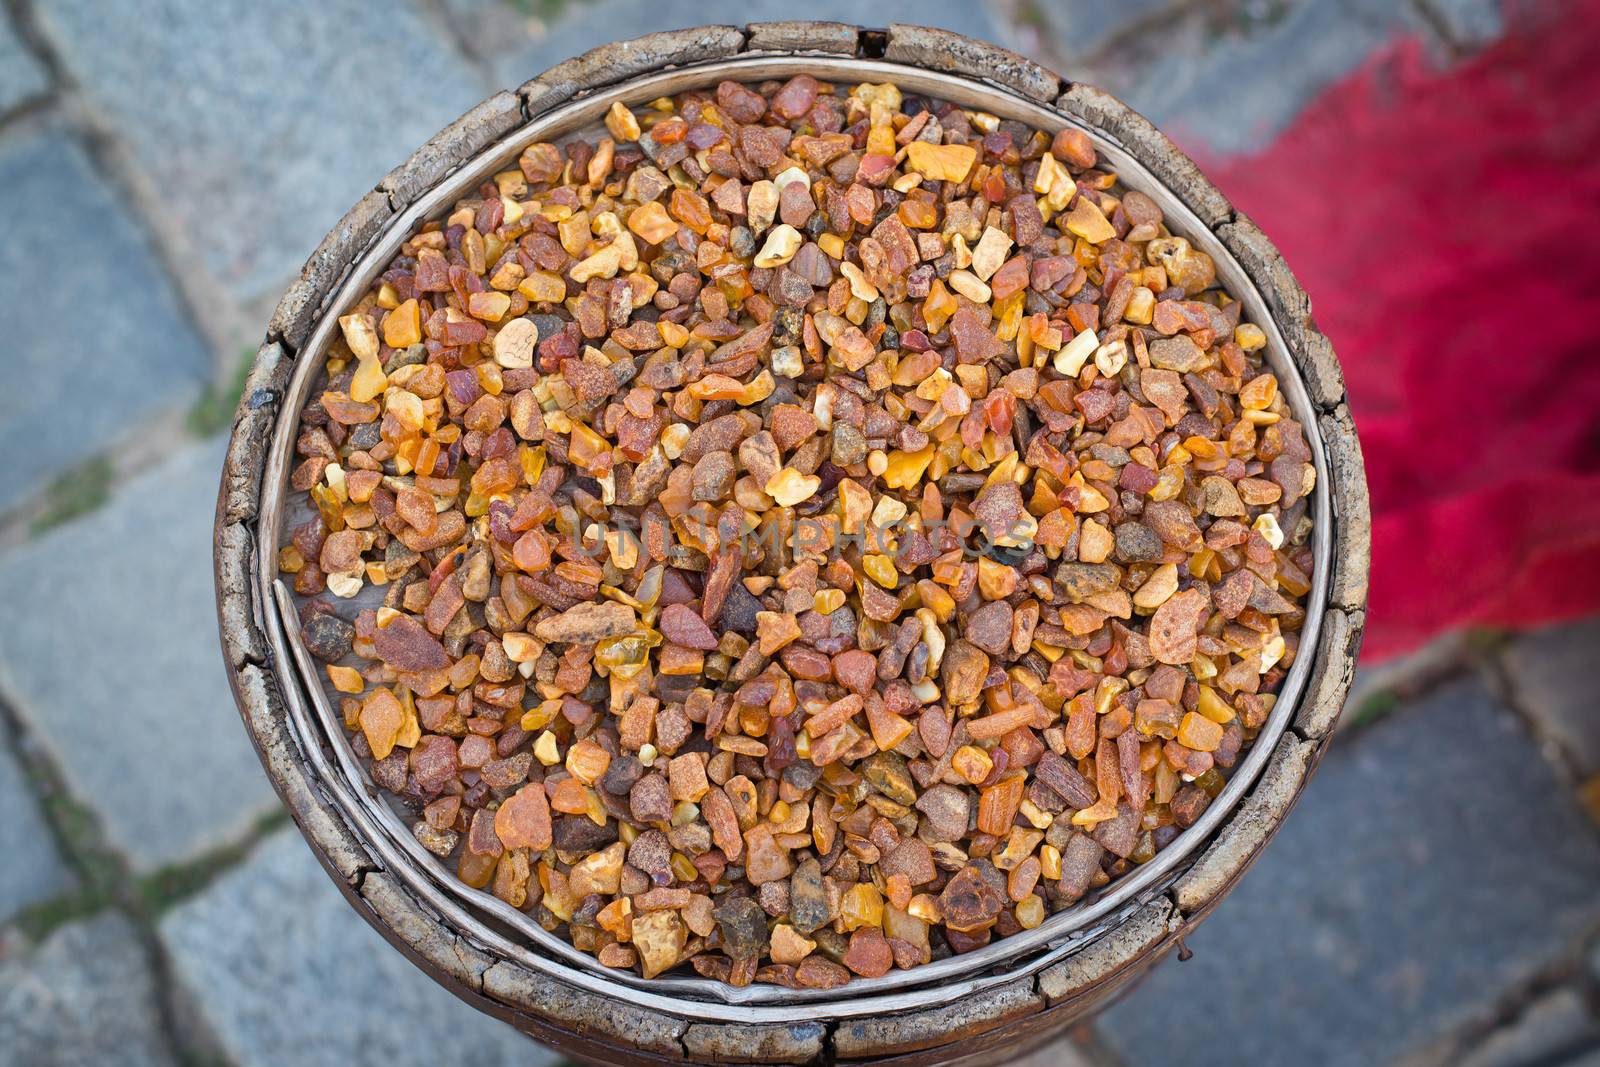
(165, 166)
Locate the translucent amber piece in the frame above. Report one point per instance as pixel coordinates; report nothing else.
(587, 761)
(382, 719)
(1214, 707)
(1168, 483)
(1008, 312)
(626, 656)
(1089, 222)
(939, 306)
(402, 327)
(905, 469)
(862, 906)
(1199, 733)
(346, 679)
(652, 223)
(476, 869)
(672, 334)
(532, 460)
(827, 601)
(880, 569)
(1249, 336)
(789, 487)
(369, 381)
(588, 450)
(1049, 862)
(972, 763)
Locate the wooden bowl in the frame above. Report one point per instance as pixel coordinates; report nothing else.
(993, 1003)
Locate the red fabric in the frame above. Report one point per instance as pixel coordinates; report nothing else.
(1447, 226)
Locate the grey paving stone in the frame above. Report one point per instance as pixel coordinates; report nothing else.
(112, 656)
(1062, 1052)
(1230, 84)
(1470, 23)
(33, 869)
(22, 78)
(1546, 1031)
(82, 294)
(1404, 676)
(583, 26)
(279, 969)
(264, 122)
(1552, 675)
(1081, 28)
(85, 996)
(1433, 864)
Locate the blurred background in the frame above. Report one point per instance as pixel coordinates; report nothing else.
(1431, 169)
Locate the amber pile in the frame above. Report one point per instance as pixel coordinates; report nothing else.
(817, 530)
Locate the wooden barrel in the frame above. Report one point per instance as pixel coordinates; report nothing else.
(1001, 1001)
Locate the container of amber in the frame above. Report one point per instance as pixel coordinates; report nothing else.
(792, 544)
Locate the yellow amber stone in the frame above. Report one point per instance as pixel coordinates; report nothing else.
(489, 306)
(359, 335)
(880, 569)
(757, 389)
(626, 656)
(543, 287)
(544, 749)
(939, 306)
(789, 487)
(1199, 733)
(382, 718)
(1050, 862)
(1205, 564)
(674, 335)
(1268, 528)
(652, 223)
(1213, 706)
(684, 868)
(587, 449)
(941, 162)
(861, 907)
(1169, 482)
(1106, 694)
(996, 581)
(1009, 313)
(402, 327)
(369, 381)
(972, 763)
(1089, 222)
(905, 469)
(1249, 336)
(346, 679)
(406, 407)
(827, 601)
(1030, 912)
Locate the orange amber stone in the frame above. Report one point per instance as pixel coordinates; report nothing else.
(476, 869)
(570, 797)
(998, 804)
(691, 209)
(918, 214)
(1199, 733)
